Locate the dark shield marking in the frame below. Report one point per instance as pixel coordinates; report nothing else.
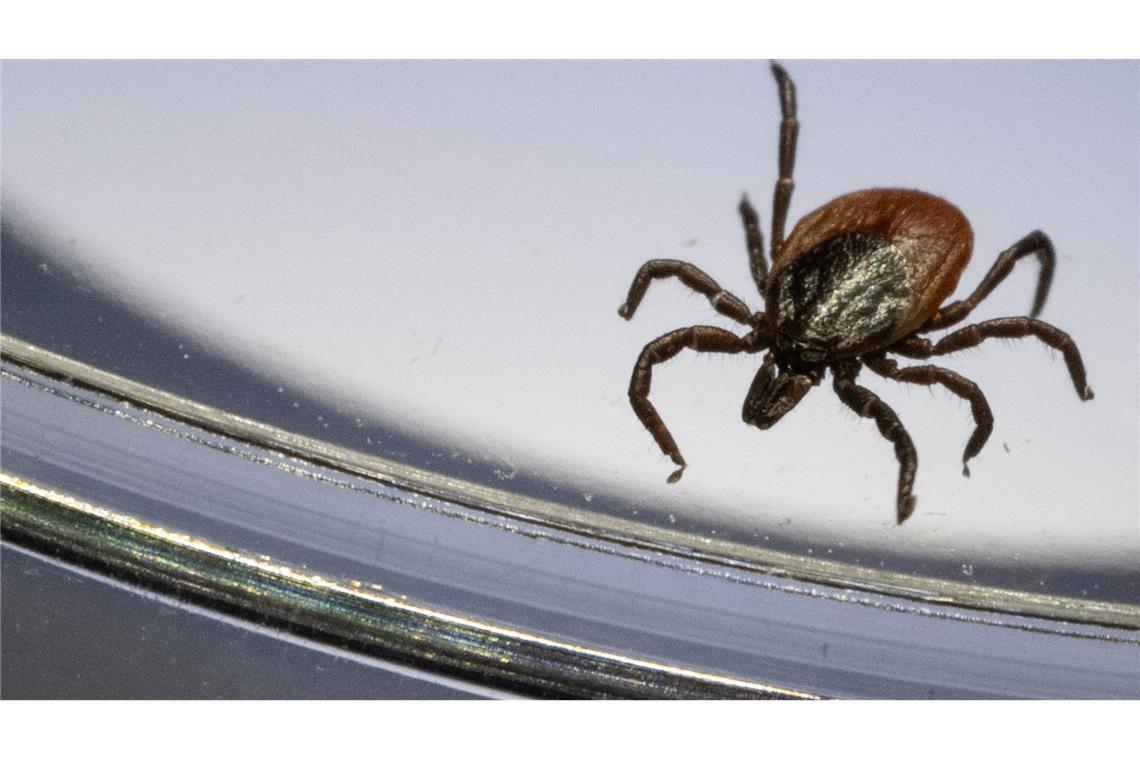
(840, 298)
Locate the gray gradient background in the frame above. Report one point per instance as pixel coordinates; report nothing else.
(443, 246)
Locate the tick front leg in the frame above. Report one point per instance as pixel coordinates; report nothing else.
(928, 374)
(700, 338)
(1020, 327)
(723, 301)
(754, 239)
(1036, 243)
(867, 404)
(789, 130)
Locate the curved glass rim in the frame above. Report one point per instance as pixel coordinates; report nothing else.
(548, 514)
(360, 616)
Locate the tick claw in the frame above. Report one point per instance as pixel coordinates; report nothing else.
(1088, 394)
(623, 311)
(965, 469)
(676, 475)
(905, 509)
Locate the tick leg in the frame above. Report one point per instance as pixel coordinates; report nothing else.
(928, 374)
(913, 347)
(867, 404)
(700, 338)
(789, 129)
(1020, 327)
(1034, 243)
(723, 301)
(754, 238)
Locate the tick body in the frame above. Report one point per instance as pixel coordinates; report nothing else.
(864, 271)
(858, 280)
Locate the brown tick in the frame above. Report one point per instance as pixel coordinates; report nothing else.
(858, 279)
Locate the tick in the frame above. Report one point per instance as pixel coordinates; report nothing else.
(859, 279)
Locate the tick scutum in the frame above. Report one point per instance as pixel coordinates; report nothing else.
(838, 299)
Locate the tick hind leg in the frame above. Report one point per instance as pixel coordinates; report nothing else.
(723, 301)
(700, 338)
(1034, 243)
(867, 404)
(1020, 327)
(928, 374)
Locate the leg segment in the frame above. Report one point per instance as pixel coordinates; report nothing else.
(723, 301)
(1034, 243)
(755, 240)
(699, 338)
(867, 404)
(1019, 327)
(928, 374)
(789, 129)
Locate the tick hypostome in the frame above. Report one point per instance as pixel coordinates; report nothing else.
(858, 279)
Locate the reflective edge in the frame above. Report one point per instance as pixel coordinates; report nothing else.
(549, 514)
(350, 614)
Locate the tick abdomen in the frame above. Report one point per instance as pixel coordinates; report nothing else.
(842, 297)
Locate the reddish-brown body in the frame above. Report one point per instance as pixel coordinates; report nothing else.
(933, 236)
